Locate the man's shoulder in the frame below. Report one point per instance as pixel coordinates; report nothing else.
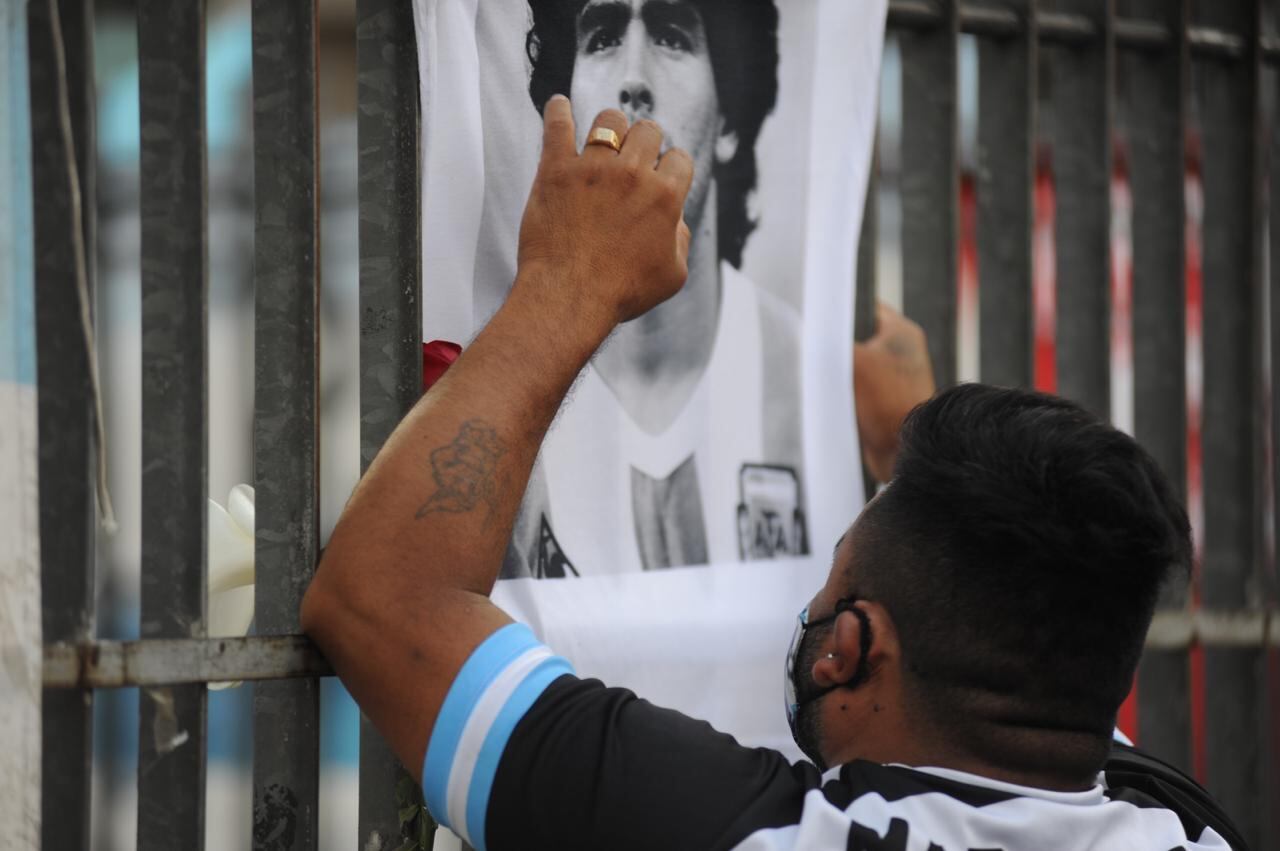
(1143, 780)
(595, 766)
(869, 805)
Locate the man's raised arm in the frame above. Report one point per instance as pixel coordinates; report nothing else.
(400, 599)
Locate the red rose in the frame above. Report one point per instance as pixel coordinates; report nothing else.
(436, 358)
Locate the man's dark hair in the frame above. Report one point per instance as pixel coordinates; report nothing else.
(742, 39)
(1019, 549)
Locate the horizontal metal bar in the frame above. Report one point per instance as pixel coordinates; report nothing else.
(1269, 49)
(1066, 29)
(171, 661)
(1174, 630)
(1070, 30)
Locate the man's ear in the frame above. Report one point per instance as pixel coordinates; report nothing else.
(846, 642)
(842, 657)
(726, 144)
(884, 636)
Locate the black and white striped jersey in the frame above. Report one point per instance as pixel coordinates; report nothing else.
(525, 755)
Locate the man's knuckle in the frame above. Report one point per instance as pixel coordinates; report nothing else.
(611, 118)
(666, 194)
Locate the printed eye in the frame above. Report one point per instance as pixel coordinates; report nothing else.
(673, 38)
(602, 39)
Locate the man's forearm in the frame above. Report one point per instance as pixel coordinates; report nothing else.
(437, 505)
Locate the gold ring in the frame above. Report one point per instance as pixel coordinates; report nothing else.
(604, 136)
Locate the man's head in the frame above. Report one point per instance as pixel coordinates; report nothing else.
(1007, 576)
(705, 70)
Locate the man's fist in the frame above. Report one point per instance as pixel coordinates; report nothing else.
(891, 375)
(603, 232)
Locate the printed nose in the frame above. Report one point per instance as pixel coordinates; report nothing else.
(636, 100)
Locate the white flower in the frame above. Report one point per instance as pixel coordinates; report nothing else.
(231, 567)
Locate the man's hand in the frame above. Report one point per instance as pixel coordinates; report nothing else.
(603, 231)
(891, 375)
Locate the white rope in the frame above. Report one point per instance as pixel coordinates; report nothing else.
(106, 514)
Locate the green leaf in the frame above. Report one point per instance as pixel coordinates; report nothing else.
(407, 814)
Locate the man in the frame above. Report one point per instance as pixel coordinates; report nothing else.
(959, 672)
(690, 419)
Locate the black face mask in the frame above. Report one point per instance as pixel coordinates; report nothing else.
(798, 688)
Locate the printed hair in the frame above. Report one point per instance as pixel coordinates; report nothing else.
(742, 38)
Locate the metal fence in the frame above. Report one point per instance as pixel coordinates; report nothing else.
(1074, 75)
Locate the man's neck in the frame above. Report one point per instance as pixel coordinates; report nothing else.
(889, 736)
(653, 364)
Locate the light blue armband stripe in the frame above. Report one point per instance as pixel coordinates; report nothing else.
(496, 686)
(496, 742)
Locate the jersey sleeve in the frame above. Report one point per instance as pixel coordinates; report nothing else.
(526, 755)
(501, 679)
(591, 767)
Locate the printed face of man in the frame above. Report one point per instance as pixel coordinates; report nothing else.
(649, 58)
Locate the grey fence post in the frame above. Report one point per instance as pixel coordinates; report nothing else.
(390, 310)
(171, 741)
(1153, 116)
(286, 714)
(1270, 94)
(1006, 192)
(1081, 77)
(60, 39)
(930, 183)
(864, 313)
(1227, 106)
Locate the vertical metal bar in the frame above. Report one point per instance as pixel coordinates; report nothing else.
(930, 183)
(390, 307)
(20, 642)
(286, 713)
(1154, 118)
(864, 313)
(62, 55)
(1006, 186)
(1270, 95)
(1227, 102)
(1080, 121)
(171, 741)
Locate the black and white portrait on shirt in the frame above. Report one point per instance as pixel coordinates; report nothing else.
(684, 441)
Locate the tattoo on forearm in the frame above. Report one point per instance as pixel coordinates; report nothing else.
(465, 471)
